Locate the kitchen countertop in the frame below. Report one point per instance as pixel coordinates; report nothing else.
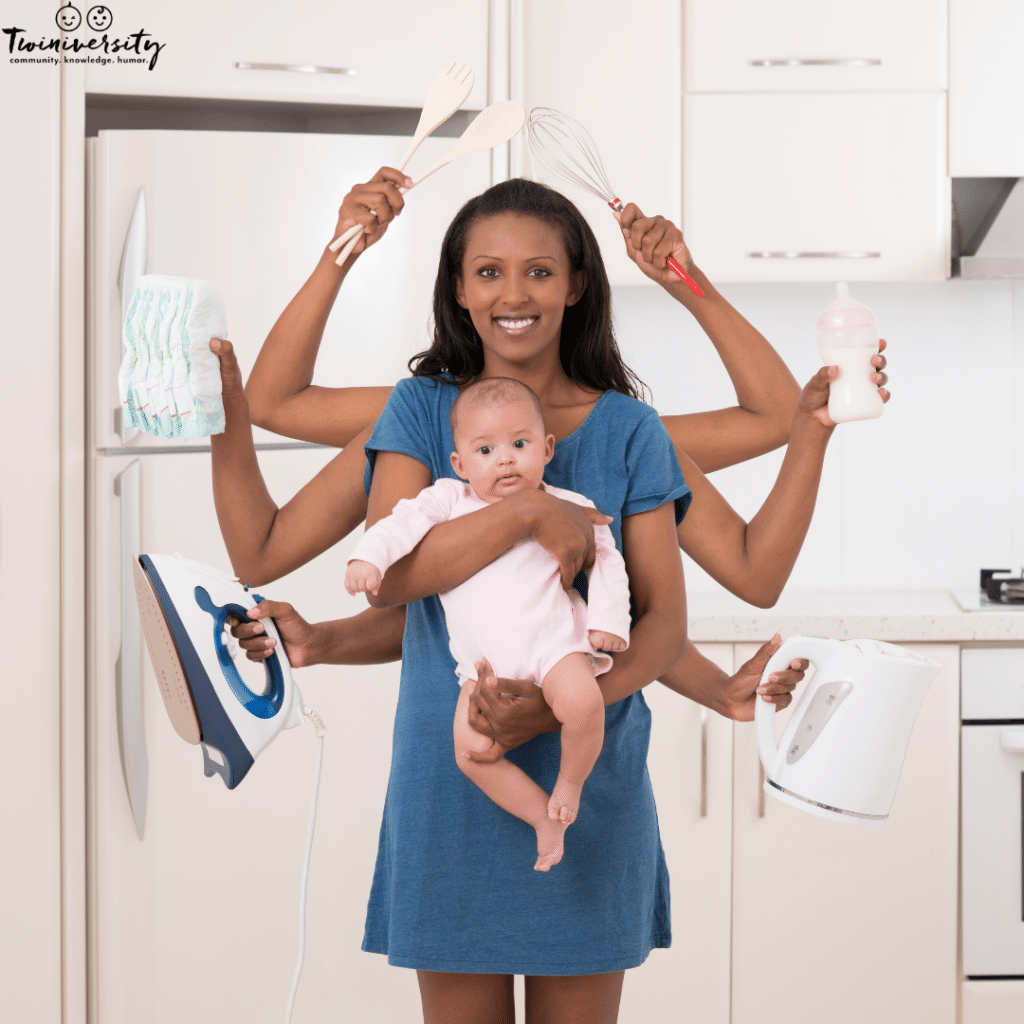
(894, 615)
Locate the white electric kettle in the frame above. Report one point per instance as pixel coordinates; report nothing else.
(842, 750)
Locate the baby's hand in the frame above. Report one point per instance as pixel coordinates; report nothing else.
(362, 576)
(602, 641)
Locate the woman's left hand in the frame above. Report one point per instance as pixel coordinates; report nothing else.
(508, 711)
(814, 397)
(744, 689)
(649, 243)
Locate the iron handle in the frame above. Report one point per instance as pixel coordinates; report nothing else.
(309, 69)
(128, 671)
(703, 762)
(801, 62)
(794, 255)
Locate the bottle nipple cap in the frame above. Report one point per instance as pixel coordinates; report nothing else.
(845, 314)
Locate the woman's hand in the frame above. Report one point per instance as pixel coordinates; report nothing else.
(814, 398)
(743, 688)
(374, 205)
(565, 531)
(508, 711)
(296, 633)
(649, 243)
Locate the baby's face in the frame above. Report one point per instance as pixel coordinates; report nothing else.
(501, 449)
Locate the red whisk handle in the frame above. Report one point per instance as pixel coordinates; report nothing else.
(679, 272)
(616, 205)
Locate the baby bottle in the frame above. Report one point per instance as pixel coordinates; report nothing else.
(848, 338)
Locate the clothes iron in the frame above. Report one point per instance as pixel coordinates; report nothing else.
(842, 751)
(184, 606)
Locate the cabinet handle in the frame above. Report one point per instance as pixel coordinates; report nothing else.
(760, 789)
(814, 255)
(703, 762)
(128, 670)
(798, 62)
(309, 69)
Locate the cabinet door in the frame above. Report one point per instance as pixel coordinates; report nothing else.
(844, 923)
(690, 764)
(393, 52)
(626, 94)
(815, 45)
(986, 88)
(817, 188)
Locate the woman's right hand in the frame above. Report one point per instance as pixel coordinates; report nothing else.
(296, 633)
(565, 531)
(374, 205)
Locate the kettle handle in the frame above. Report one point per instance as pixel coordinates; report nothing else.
(816, 649)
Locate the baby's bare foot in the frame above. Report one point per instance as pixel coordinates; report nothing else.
(549, 844)
(565, 802)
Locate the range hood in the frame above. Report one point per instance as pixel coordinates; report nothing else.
(988, 224)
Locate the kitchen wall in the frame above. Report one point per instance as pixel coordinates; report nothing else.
(919, 499)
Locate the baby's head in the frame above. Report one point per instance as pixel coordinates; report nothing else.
(501, 446)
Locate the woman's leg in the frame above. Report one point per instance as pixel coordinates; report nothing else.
(580, 999)
(466, 998)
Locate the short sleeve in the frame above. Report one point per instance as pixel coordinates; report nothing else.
(405, 426)
(654, 475)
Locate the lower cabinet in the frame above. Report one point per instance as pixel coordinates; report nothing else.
(781, 917)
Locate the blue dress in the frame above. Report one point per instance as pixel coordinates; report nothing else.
(454, 887)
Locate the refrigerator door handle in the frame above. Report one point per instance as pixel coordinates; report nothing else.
(133, 267)
(130, 729)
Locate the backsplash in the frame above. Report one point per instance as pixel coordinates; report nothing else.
(919, 499)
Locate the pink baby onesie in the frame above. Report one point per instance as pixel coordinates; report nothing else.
(514, 611)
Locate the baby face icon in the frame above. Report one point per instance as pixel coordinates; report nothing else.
(69, 18)
(99, 18)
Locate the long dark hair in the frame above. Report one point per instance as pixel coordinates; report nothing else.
(588, 351)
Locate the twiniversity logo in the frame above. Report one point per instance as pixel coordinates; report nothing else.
(138, 47)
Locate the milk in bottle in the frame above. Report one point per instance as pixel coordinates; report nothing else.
(848, 338)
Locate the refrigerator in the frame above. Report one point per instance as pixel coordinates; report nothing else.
(197, 917)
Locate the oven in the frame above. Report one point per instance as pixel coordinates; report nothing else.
(992, 812)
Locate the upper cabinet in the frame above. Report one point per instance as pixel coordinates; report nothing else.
(986, 89)
(827, 187)
(339, 52)
(817, 45)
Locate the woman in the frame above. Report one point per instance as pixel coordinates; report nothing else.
(513, 268)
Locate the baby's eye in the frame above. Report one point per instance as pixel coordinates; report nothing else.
(485, 449)
(519, 443)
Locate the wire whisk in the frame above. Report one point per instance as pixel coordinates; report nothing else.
(564, 148)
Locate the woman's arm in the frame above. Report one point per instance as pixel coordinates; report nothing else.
(265, 542)
(511, 712)
(452, 552)
(753, 560)
(281, 395)
(766, 391)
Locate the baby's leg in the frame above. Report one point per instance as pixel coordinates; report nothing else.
(508, 786)
(573, 695)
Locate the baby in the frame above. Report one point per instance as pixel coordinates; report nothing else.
(514, 611)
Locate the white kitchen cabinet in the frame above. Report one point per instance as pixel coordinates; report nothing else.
(690, 763)
(818, 45)
(394, 50)
(817, 187)
(986, 88)
(843, 923)
(617, 70)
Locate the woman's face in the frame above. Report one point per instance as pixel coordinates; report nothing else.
(516, 282)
